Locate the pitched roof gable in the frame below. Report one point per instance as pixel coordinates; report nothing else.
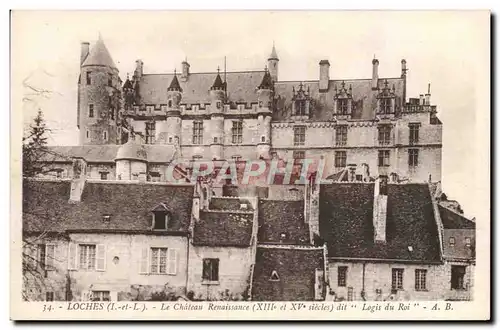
(99, 56)
(453, 220)
(45, 205)
(346, 222)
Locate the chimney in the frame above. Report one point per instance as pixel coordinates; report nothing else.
(185, 70)
(428, 95)
(78, 180)
(324, 75)
(380, 209)
(421, 99)
(84, 51)
(403, 68)
(375, 74)
(138, 69)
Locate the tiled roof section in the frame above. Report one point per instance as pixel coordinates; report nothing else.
(364, 99)
(99, 55)
(229, 204)
(282, 217)
(45, 205)
(295, 269)
(223, 229)
(346, 222)
(453, 220)
(107, 153)
(241, 87)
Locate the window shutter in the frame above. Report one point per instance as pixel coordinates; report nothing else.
(101, 257)
(72, 256)
(50, 256)
(143, 263)
(172, 261)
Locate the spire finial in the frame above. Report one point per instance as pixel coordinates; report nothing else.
(265, 68)
(175, 71)
(218, 69)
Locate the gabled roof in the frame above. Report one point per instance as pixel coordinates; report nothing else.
(46, 206)
(453, 220)
(99, 56)
(218, 84)
(282, 217)
(274, 54)
(223, 229)
(240, 87)
(174, 85)
(296, 270)
(346, 222)
(156, 153)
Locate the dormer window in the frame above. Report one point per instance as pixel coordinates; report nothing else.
(218, 104)
(385, 105)
(161, 217)
(301, 101)
(342, 106)
(386, 99)
(169, 103)
(343, 99)
(300, 107)
(467, 241)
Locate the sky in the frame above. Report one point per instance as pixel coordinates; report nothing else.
(449, 50)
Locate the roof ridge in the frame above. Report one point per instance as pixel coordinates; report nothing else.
(455, 212)
(206, 72)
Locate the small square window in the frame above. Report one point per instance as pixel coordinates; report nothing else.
(342, 276)
(452, 241)
(467, 241)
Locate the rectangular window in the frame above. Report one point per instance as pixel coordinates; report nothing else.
(210, 269)
(342, 276)
(384, 134)
(91, 111)
(414, 133)
(299, 135)
(110, 80)
(150, 132)
(457, 277)
(413, 157)
(341, 135)
(240, 107)
(112, 114)
(340, 159)
(236, 158)
(49, 296)
(104, 175)
(87, 256)
(452, 241)
(101, 296)
(383, 157)
(196, 107)
(237, 132)
(386, 105)
(397, 278)
(89, 80)
(420, 279)
(197, 132)
(160, 220)
(158, 260)
(342, 106)
(46, 256)
(300, 108)
(105, 136)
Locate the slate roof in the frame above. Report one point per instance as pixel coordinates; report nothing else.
(296, 269)
(346, 222)
(277, 217)
(107, 153)
(223, 229)
(364, 99)
(45, 205)
(99, 55)
(241, 87)
(228, 204)
(453, 220)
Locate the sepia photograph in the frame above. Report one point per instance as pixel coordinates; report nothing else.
(215, 160)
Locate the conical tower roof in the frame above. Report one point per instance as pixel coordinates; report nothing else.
(174, 85)
(273, 55)
(99, 55)
(127, 84)
(218, 84)
(267, 81)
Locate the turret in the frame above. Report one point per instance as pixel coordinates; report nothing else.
(217, 97)
(265, 97)
(169, 131)
(98, 95)
(272, 64)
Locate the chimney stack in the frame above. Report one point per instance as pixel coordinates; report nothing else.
(428, 95)
(380, 210)
(324, 75)
(78, 180)
(84, 51)
(375, 74)
(138, 69)
(185, 70)
(403, 68)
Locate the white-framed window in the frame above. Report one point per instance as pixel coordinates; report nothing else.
(413, 157)
(341, 135)
(87, 256)
(196, 107)
(397, 278)
(237, 132)
(210, 269)
(197, 132)
(101, 296)
(158, 260)
(384, 134)
(420, 279)
(299, 135)
(384, 158)
(340, 159)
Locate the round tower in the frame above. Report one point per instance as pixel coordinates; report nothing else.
(265, 98)
(272, 63)
(169, 131)
(131, 161)
(98, 95)
(217, 96)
